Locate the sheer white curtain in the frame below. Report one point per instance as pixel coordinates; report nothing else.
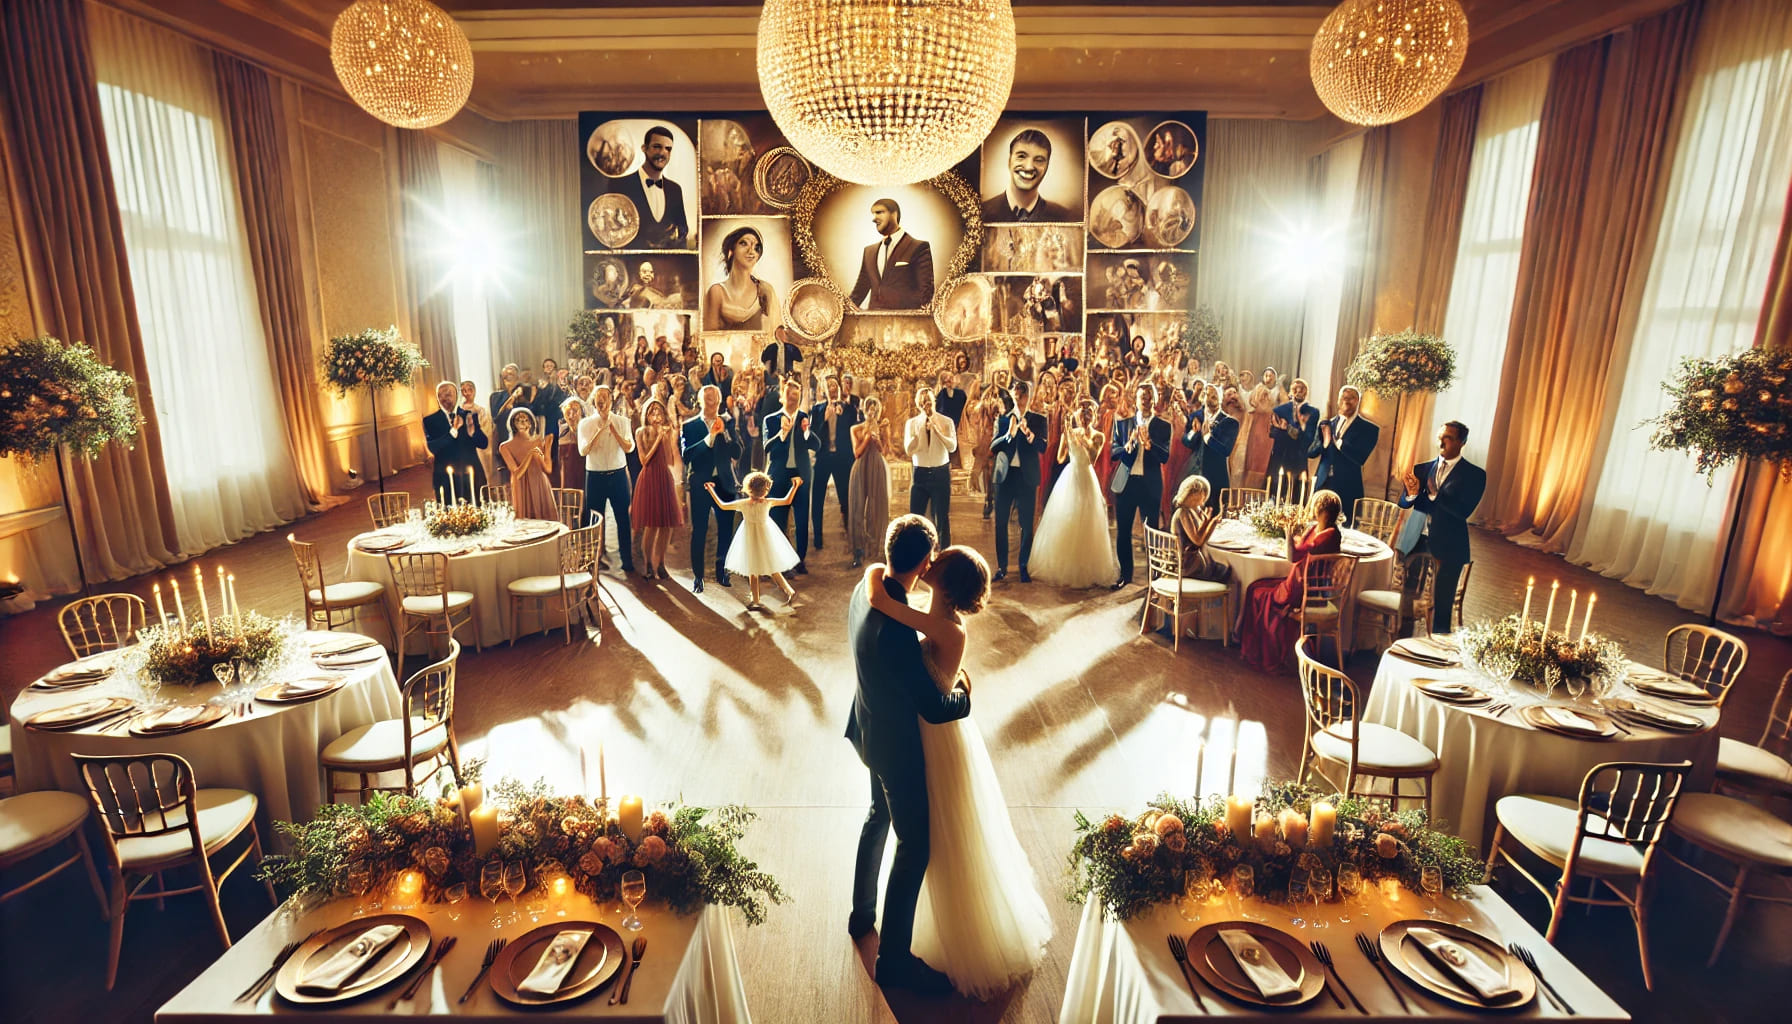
(1653, 523)
(472, 315)
(1486, 275)
(1324, 269)
(229, 471)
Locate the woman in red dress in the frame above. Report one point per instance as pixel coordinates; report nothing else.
(1266, 633)
(655, 509)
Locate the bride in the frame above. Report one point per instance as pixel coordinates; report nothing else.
(979, 917)
(1071, 547)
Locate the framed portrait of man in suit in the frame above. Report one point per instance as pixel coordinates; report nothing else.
(639, 183)
(890, 249)
(1033, 171)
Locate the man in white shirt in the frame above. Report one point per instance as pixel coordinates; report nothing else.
(930, 440)
(605, 439)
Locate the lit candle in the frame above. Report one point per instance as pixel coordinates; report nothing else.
(603, 783)
(485, 829)
(408, 887)
(1281, 491)
(1306, 490)
(1588, 618)
(471, 798)
(451, 487)
(205, 607)
(223, 595)
(1294, 827)
(236, 610)
(1524, 617)
(1549, 610)
(628, 817)
(1568, 619)
(1238, 816)
(1390, 890)
(179, 608)
(1325, 822)
(1266, 829)
(472, 492)
(559, 887)
(161, 611)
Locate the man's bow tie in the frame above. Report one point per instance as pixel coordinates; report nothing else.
(655, 183)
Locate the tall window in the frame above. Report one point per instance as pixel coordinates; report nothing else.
(229, 470)
(1340, 167)
(466, 250)
(1486, 275)
(1654, 524)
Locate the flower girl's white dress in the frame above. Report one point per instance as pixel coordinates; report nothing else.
(759, 548)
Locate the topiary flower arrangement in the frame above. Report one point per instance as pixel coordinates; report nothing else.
(1391, 365)
(60, 393)
(1729, 410)
(372, 359)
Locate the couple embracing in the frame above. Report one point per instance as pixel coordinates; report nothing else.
(960, 893)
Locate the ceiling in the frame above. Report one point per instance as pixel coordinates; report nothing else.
(553, 58)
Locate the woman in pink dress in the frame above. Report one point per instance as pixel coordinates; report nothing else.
(1266, 632)
(526, 456)
(1263, 401)
(655, 510)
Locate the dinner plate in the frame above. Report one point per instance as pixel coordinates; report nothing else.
(1658, 684)
(1533, 713)
(530, 537)
(277, 693)
(1451, 692)
(1655, 717)
(75, 716)
(1410, 959)
(398, 958)
(330, 647)
(144, 725)
(1212, 960)
(597, 964)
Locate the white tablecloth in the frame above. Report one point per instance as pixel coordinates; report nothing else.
(485, 572)
(1484, 758)
(688, 976)
(1122, 973)
(272, 753)
(1264, 560)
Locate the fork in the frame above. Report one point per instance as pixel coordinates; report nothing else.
(429, 967)
(1325, 957)
(1179, 950)
(1497, 710)
(1373, 955)
(492, 950)
(260, 985)
(1530, 964)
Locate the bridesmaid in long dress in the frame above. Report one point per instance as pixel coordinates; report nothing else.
(1266, 633)
(655, 509)
(1263, 401)
(868, 489)
(1175, 405)
(526, 456)
(1106, 413)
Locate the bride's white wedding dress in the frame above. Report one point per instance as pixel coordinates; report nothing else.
(979, 917)
(1071, 546)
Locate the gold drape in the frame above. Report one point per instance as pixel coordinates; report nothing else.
(1356, 304)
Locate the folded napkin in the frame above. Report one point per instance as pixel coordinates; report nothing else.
(1662, 716)
(1661, 683)
(555, 961)
(178, 717)
(1258, 965)
(1417, 650)
(306, 688)
(71, 713)
(333, 647)
(1445, 688)
(1464, 963)
(1568, 718)
(349, 961)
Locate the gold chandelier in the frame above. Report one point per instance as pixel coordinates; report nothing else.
(886, 92)
(404, 61)
(1378, 61)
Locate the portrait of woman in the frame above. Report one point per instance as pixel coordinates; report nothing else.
(740, 301)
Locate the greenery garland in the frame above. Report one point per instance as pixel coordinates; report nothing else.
(173, 657)
(56, 393)
(1729, 410)
(1133, 864)
(463, 519)
(1272, 519)
(370, 359)
(1539, 659)
(1391, 365)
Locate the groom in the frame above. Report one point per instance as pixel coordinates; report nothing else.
(894, 687)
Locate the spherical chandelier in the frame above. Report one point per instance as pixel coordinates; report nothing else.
(1378, 61)
(404, 61)
(885, 92)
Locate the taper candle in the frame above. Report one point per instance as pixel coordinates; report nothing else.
(205, 606)
(1568, 619)
(603, 782)
(236, 610)
(223, 596)
(451, 485)
(180, 609)
(1587, 620)
(161, 611)
(1306, 491)
(1549, 610)
(1524, 617)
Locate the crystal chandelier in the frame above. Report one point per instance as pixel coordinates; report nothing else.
(1378, 61)
(886, 92)
(404, 61)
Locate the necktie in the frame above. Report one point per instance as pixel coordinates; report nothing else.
(791, 461)
(883, 256)
(1020, 214)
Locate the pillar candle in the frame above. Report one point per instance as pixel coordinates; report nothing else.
(179, 608)
(471, 797)
(1325, 822)
(1238, 816)
(628, 817)
(1587, 620)
(485, 830)
(1524, 616)
(408, 887)
(161, 611)
(1266, 829)
(1294, 827)
(1549, 610)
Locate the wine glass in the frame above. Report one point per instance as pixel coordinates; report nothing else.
(453, 897)
(1319, 890)
(360, 885)
(516, 879)
(1194, 890)
(1431, 882)
(1350, 886)
(634, 890)
(491, 886)
(1299, 882)
(225, 673)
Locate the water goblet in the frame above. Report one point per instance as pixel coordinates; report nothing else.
(1194, 890)
(1298, 886)
(360, 886)
(1350, 886)
(1431, 881)
(225, 673)
(1575, 685)
(1319, 890)
(516, 879)
(453, 897)
(491, 886)
(634, 890)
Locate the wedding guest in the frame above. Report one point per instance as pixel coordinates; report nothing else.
(1232, 403)
(606, 440)
(950, 399)
(661, 358)
(781, 357)
(1266, 632)
(720, 376)
(656, 508)
(510, 395)
(848, 387)
(454, 438)
(1295, 426)
(549, 393)
(790, 444)
(1106, 412)
(1218, 435)
(526, 457)
(1193, 522)
(1446, 490)
(834, 418)
(572, 468)
(711, 441)
(760, 549)
(979, 430)
(868, 510)
(683, 398)
(643, 357)
(1048, 406)
(1258, 426)
(1183, 459)
(1019, 443)
(1140, 445)
(1344, 444)
(743, 406)
(469, 400)
(930, 439)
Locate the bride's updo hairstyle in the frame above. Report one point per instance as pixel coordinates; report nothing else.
(964, 578)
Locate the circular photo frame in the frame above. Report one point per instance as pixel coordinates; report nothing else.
(1169, 217)
(1114, 150)
(957, 192)
(1172, 149)
(966, 308)
(780, 175)
(1117, 217)
(613, 153)
(613, 220)
(814, 309)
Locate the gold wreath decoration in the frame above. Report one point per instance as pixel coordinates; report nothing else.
(948, 184)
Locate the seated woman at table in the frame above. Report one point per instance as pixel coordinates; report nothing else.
(1266, 632)
(526, 456)
(1193, 522)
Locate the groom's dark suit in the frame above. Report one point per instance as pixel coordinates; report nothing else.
(894, 687)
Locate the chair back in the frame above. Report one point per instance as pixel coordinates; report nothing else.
(1377, 518)
(103, 622)
(1777, 736)
(1416, 576)
(135, 794)
(420, 574)
(388, 509)
(311, 568)
(1461, 593)
(570, 501)
(1234, 499)
(1163, 555)
(429, 699)
(1628, 802)
(1710, 657)
(1327, 579)
(579, 549)
(1329, 696)
(499, 493)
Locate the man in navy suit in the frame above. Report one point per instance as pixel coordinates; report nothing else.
(834, 418)
(658, 200)
(1140, 447)
(897, 271)
(1213, 432)
(1294, 426)
(1446, 491)
(789, 446)
(1019, 442)
(711, 443)
(1343, 445)
(455, 438)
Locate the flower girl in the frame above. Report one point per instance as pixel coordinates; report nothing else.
(760, 548)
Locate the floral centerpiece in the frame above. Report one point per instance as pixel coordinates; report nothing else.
(1729, 410)
(55, 393)
(1527, 651)
(459, 520)
(184, 657)
(1272, 519)
(1391, 365)
(1131, 864)
(370, 359)
(689, 854)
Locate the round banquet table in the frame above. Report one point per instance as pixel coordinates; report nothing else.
(484, 565)
(1257, 557)
(271, 753)
(1483, 757)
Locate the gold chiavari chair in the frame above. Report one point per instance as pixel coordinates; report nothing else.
(1321, 611)
(425, 599)
(1390, 608)
(32, 823)
(388, 509)
(1763, 765)
(1234, 500)
(1379, 519)
(1753, 840)
(575, 585)
(1166, 591)
(1709, 657)
(1608, 835)
(1367, 751)
(490, 493)
(1461, 596)
(103, 622)
(570, 501)
(425, 735)
(327, 603)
